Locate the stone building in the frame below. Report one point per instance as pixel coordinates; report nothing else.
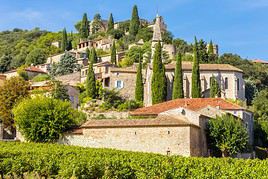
(31, 72)
(103, 44)
(172, 128)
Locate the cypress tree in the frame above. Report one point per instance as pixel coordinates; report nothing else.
(211, 56)
(84, 30)
(111, 23)
(178, 80)
(91, 82)
(93, 56)
(88, 53)
(210, 48)
(159, 88)
(64, 44)
(139, 84)
(214, 88)
(113, 54)
(196, 87)
(135, 22)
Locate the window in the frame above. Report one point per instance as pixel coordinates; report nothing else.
(119, 84)
(226, 83)
(237, 84)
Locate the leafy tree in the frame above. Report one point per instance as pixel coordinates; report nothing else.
(167, 37)
(43, 119)
(145, 33)
(93, 56)
(228, 134)
(113, 54)
(84, 29)
(68, 64)
(135, 22)
(36, 56)
(20, 58)
(41, 77)
(181, 46)
(110, 23)
(91, 82)
(260, 105)
(196, 86)
(59, 91)
(11, 92)
(159, 89)
(202, 51)
(177, 91)
(96, 24)
(64, 43)
(116, 33)
(214, 87)
(5, 62)
(139, 89)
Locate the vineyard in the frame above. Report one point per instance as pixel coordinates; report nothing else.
(56, 161)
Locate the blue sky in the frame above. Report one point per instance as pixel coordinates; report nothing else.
(238, 26)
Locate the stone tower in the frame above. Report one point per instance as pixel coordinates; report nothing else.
(158, 28)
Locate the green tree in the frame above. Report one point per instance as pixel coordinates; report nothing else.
(36, 56)
(145, 33)
(43, 119)
(11, 92)
(139, 89)
(84, 29)
(182, 46)
(135, 22)
(68, 64)
(178, 79)
(212, 58)
(159, 89)
(202, 51)
(91, 82)
(227, 134)
(59, 91)
(64, 43)
(113, 54)
(260, 105)
(5, 62)
(214, 87)
(96, 24)
(196, 86)
(88, 53)
(110, 23)
(93, 56)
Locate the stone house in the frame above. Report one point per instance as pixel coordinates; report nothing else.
(31, 72)
(171, 128)
(104, 44)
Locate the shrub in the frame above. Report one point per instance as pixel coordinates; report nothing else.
(43, 119)
(58, 161)
(41, 77)
(129, 105)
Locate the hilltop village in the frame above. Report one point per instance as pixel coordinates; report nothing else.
(135, 87)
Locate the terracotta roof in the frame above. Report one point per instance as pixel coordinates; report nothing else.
(34, 69)
(192, 104)
(161, 120)
(260, 61)
(205, 67)
(77, 131)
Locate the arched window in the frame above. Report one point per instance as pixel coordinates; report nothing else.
(226, 83)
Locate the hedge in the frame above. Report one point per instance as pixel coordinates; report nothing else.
(58, 161)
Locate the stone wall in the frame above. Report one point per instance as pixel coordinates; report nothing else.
(162, 140)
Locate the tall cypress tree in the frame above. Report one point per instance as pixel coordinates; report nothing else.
(84, 30)
(91, 82)
(178, 80)
(196, 86)
(211, 56)
(64, 43)
(93, 56)
(135, 22)
(159, 87)
(214, 87)
(139, 83)
(113, 54)
(210, 48)
(88, 54)
(110, 23)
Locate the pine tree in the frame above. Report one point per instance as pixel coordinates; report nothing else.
(135, 22)
(113, 54)
(196, 87)
(159, 87)
(91, 82)
(93, 56)
(111, 23)
(178, 80)
(139, 84)
(84, 29)
(214, 87)
(64, 43)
